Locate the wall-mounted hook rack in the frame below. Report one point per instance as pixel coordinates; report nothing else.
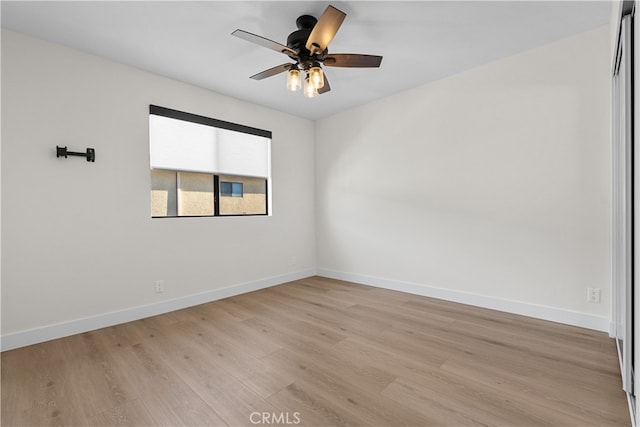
(90, 154)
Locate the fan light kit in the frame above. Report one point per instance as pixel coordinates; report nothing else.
(308, 48)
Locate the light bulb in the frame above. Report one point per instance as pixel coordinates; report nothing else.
(293, 80)
(309, 88)
(317, 77)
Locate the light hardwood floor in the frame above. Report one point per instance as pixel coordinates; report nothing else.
(320, 352)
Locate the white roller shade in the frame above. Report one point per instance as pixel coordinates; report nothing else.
(186, 146)
(242, 154)
(180, 145)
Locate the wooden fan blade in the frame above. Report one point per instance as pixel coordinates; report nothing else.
(352, 60)
(326, 87)
(325, 29)
(264, 42)
(272, 71)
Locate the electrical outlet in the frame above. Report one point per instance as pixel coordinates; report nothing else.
(593, 295)
(159, 286)
(294, 260)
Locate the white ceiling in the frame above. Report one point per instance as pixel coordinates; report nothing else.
(421, 41)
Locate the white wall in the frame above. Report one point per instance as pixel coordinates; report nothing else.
(488, 187)
(79, 248)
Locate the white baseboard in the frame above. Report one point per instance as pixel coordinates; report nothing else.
(60, 330)
(553, 314)
(64, 329)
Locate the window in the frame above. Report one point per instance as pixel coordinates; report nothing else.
(231, 189)
(206, 167)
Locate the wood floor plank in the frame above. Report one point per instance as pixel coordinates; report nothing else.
(312, 410)
(348, 395)
(155, 370)
(336, 365)
(597, 403)
(248, 370)
(232, 401)
(311, 295)
(132, 413)
(321, 312)
(177, 404)
(324, 352)
(446, 401)
(233, 330)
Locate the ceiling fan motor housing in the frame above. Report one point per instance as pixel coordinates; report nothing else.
(306, 22)
(298, 40)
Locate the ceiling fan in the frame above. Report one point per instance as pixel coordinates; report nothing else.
(307, 46)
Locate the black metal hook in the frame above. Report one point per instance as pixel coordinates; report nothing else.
(90, 154)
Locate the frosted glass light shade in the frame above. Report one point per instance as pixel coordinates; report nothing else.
(309, 88)
(294, 82)
(317, 77)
